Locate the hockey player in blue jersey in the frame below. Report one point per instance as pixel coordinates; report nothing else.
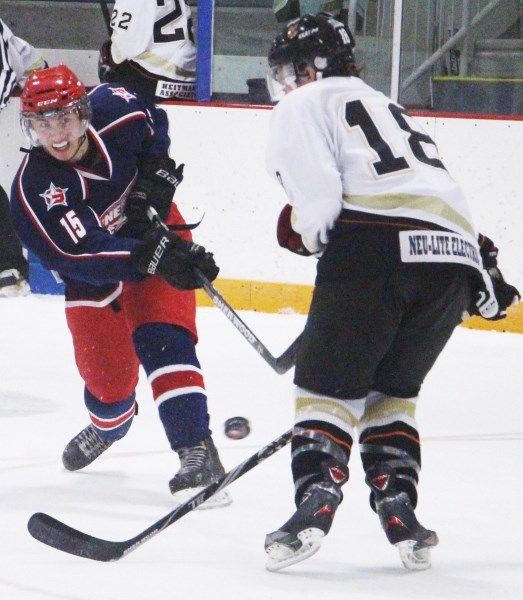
(79, 202)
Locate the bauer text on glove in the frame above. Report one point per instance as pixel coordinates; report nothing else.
(157, 181)
(177, 260)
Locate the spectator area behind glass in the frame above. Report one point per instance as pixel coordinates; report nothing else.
(480, 72)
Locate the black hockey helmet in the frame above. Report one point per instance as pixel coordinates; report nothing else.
(319, 40)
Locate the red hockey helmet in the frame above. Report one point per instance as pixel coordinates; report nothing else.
(51, 92)
(51, 88)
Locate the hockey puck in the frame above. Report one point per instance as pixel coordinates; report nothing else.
(236, 428)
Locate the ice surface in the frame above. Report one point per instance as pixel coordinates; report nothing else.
(471, 421)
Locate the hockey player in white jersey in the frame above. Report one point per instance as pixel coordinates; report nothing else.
(151, 49)
(399, 265)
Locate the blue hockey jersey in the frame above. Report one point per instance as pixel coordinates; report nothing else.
(69, 215)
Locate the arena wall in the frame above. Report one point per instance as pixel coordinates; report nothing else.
(227, 188)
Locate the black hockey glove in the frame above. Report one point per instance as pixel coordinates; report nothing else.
(157, 181)
(106, 66)
(489, 252)
(147, 193)
(506, 294)
(494, 294)
(163, 172)
(166, 254)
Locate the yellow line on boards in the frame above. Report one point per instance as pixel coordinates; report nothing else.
(512, 324)
(262, 296)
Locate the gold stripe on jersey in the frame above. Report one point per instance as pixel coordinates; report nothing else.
(169, 69)
(428, 204)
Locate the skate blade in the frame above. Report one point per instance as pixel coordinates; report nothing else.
(414, 557)
(281, 556)
(218, 500)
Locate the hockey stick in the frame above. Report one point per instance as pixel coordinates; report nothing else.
(107, 16)
(280, 364)
(56, 534)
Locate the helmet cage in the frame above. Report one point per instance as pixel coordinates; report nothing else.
(80, 108)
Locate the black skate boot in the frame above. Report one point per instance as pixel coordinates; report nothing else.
(200, 466)
(301, 536)
(399, 521)
(83, 449)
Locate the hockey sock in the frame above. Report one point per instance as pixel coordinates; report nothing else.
(168, 356)
(112, 420)
(389, 438)
(324, 434)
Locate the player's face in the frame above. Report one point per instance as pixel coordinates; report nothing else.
(61, 135)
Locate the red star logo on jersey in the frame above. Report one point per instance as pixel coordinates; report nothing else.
(123, 93)
(54, 196)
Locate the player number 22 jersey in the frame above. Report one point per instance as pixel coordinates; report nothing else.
(156, 34)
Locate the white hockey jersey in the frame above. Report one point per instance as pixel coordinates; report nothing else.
(156, 34)
(339, 144)
(17, 59)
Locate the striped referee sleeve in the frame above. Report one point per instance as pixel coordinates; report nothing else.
(7, 74)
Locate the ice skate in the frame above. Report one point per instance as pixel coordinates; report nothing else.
(83, 449)
(13, 284)
(200, 466)
(301, 536)
(399, 522)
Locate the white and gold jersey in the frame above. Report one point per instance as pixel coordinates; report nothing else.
(339, 144)
(157, 35)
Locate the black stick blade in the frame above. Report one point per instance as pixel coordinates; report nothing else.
(60, 536)
(288, 359)
(56, 534)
